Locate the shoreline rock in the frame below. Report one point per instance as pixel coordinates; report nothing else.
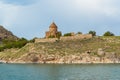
(68, 60)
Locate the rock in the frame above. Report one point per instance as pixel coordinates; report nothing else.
(30, 57)
(49, 58)
(34, 58)
(88, 52)
(101, 52)
(111, 55)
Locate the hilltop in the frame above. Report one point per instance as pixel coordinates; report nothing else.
(5, 34)
(93, 50)
(8, 40)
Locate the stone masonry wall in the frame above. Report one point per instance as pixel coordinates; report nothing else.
(79, 36)
(46, 40)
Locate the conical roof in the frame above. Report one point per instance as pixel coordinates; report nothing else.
(53, 25)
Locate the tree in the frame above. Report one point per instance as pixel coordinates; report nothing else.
(7, 44)
(67, 34)
(93, 33)
(23, 39)
(79, 32)
(59, 34)
(51, 36)
(108, 33)
(33, 40)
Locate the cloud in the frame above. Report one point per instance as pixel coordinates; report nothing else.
(70, 15)
(19, 2)
(105, 7)
(8, 14)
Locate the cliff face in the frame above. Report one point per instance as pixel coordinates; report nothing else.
(5, 34)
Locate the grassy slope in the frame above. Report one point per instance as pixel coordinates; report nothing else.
(109, 44)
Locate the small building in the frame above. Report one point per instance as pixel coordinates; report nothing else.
(53, 31)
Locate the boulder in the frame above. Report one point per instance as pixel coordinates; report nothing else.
(100, 52)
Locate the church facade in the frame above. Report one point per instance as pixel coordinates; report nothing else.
(53, 31)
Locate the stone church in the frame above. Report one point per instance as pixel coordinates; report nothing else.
(53, 31)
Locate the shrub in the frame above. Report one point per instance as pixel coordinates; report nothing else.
(67, 34)
(59, 35)
(79, 32)
(51, 36)
(108, 33)
(7, 44)
(33, 40)
(93, 33)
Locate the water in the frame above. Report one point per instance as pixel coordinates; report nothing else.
(59, 72)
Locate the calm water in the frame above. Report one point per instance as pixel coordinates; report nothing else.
(59, 72)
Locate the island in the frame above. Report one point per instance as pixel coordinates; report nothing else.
(55, 48)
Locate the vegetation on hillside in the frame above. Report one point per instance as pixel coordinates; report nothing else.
(79, 32)
(71, 47)
(7, 44)
(67, 34)
(93, 33)
(108, 33)
(15, 48)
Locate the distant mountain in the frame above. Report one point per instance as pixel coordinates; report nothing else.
(5, 34)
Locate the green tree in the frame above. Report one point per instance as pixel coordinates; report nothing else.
(59, 35)
(33, 40)
(93, 33)
(51, 36)
(7, 44)
(23, 39)
(79, 32)
(108, 33)
(67, 34)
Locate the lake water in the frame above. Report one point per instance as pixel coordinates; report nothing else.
(59, 72)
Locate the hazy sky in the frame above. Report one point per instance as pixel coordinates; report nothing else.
(31, 18)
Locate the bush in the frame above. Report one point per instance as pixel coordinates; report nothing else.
(108, 33)
(67, 34)
(93, 33)
(7, 44)
(33, 40)
(79, 32)
(59, 35)
(51, 36)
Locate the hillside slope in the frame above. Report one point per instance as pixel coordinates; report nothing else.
(94, 50)
(5, 34)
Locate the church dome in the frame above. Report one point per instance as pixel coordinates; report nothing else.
(53, 25)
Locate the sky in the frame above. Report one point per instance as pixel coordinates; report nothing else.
(31, 18)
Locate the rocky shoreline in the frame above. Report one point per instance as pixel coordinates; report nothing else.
(107, 61)
(85, 58)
